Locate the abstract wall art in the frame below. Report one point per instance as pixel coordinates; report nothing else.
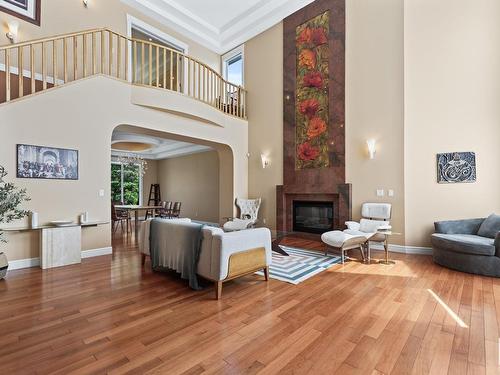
(454, 167)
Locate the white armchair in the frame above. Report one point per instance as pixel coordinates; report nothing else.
(374, 216)
(249, 212)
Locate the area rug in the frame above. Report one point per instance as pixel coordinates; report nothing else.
(300, 265)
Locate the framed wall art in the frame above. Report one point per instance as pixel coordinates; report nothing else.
(46, 162)
(27, 10)
(454, 167)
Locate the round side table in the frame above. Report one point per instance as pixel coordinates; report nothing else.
(387, 234)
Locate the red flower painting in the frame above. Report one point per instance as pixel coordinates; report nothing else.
(306, 152)
(316, 127)
(313, 79)
(305, 36)
(309, 107)
(307, 58)
(318, 36)
(312, 115)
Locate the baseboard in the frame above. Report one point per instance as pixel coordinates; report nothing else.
(404, 249)
(97, 252)
(23, 263)
(35, 262)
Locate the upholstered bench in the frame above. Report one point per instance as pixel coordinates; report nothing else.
(343, 242)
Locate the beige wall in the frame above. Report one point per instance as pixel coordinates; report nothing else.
(64, 16)
(87, 112)
(452, 92)
(194, 181)
(264, 82)
(374, 104)
(422, 77)
(150, 177)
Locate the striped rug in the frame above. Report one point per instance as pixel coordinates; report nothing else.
(300, 265)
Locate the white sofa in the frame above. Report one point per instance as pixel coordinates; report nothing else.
(225, 256)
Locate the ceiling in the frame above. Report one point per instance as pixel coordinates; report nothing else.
(149, 147)
(219, 25)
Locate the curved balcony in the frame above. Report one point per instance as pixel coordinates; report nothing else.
(34, 66)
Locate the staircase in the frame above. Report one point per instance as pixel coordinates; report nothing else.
(31, 67)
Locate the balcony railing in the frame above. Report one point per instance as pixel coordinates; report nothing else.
(30, 67)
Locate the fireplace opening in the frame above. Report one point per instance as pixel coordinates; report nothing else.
(312, 217)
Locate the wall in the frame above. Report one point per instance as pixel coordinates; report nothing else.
(422, 77)
(150, 177)
(65, 16)
(89, 131)
(452, 91)
(264, 82)
(194, 181)
(374, 106)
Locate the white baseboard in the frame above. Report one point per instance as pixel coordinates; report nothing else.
(23, 263)
(404, 249)
(35, 262)
(97, 252)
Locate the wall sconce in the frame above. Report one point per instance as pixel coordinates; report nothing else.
(13, 27)
(86, 3)
(371, 143)
(265, 161)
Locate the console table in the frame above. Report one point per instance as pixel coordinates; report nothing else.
(59, 245)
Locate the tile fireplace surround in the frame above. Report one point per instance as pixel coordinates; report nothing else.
(341, 205)
(315, 184)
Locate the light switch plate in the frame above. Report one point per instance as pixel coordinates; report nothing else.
(390, 193)
(101, 192)
(380, 192)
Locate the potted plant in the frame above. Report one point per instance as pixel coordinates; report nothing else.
(11, 198)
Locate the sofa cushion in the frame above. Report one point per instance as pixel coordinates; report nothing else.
(467, 226)
(490, 226)
(464, 243)
(371, 226)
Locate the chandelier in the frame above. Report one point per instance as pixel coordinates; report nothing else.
(134, 159)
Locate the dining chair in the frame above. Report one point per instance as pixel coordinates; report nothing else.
(118, 217)
(166, 210)
(176, 210)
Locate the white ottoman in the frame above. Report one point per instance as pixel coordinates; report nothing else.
(343, 242)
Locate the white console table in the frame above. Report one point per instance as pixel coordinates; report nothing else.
(59, 245)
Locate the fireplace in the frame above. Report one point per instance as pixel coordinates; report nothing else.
(287, 201)
(312, 217)
(315, 177)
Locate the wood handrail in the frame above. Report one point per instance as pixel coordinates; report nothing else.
(54, 61)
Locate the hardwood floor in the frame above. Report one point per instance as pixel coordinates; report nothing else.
(108, 315)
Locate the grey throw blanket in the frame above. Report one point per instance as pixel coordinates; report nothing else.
(176, 246)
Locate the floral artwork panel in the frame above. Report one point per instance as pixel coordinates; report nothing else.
(312, 93)
(454, 167)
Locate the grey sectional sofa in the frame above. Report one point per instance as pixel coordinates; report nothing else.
(471, 245)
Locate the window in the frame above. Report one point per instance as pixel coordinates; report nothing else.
(126, 182)
(233, 66)
(175, 78)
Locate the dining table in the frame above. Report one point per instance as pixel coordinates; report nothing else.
(136, 208)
